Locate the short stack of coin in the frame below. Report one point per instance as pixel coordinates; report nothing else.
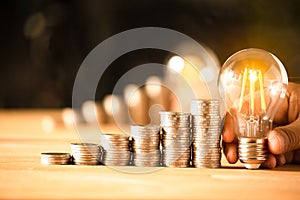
(176, 138)
(115, 149)
(85, 153)
(53, 158)
(206, 150)
(146, 143)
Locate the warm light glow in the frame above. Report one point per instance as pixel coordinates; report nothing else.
(89, 111)
(260, 81)
(262, 93)
(129, 90)
(48, 124)
(132, 95)
(252, 79)
(135, 99)
(272, 90)
(153, 86)
(68, 117)
(112, 104)
(243, 89)
(252, 76)
(176, 63)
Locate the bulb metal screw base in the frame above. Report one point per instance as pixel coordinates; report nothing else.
(252, 151)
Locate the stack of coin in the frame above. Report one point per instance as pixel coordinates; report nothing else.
(176, 139)
(85, 153)
(51, 158)
(115, 149)
(205, 106)
(206, 149)
(146, 143)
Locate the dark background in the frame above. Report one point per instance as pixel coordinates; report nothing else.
(43, 42)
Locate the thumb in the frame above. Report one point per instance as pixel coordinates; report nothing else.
(285, 138)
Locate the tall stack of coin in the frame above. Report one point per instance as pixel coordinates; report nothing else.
(206, 132)
(175, 138)
(146, 141)
(85, 153)
(115, 149)
(50, 158)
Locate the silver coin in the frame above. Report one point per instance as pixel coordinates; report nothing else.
(55, 158)
(86, 153)
(86, 162)
(186, 130)
(115, 148)
(146, 145)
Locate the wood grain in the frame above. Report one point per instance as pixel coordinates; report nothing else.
(22, 139)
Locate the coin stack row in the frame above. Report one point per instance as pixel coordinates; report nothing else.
(176, 138)
(115, 149)
(85, 153)
(146, 143)
(181, 140)
(206, 149)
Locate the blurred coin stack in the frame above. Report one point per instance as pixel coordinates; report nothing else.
(55, 158)
(176, 139)
(206, 149)
(85, 153)
(146, 143)
(115, 149)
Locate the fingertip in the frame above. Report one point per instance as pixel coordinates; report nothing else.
(231, 158)
(231, 153)
(276, 143)
(270, 162)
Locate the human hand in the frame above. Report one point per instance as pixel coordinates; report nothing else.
(283, 141)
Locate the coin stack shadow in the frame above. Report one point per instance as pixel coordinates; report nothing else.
(146, 143)
(85, 153)
(206, 149)
(115, 149)
(176, 141)
(55, 158)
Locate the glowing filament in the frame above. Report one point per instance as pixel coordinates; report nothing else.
(250, 77)
(243, 89)
(262, 94)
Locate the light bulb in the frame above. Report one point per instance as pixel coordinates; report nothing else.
(176, 63)
(253, 83)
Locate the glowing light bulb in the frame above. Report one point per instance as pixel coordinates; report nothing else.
(132, 95)
(112, 104)
(153, 86)
(89, 111)
(253, 83)
(48, 124)
(176, 63)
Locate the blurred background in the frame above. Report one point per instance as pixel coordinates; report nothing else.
(43, 42)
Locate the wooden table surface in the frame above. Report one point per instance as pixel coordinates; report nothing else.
(23, 138)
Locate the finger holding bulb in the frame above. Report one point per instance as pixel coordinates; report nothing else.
(283, 141)
(229, 140)
(254, 84)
